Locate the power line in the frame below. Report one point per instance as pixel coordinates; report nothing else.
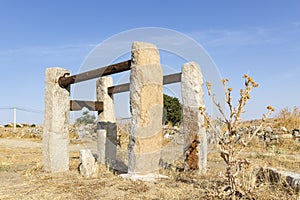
(22, 109)
(30, 110)
(6, 108)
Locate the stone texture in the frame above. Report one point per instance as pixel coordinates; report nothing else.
(284, 129)
(101, 144)
(195, 141)
(107, 148)
(268, 129)
(146, 105)
(276, 176)
(88, 166)
(146, 177)
(55, 153)
(108, 113)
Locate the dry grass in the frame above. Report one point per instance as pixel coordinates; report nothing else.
(27, 132)
(33, 133)
(226, 138)
(244, 156)
(22, 177)
(288, 118)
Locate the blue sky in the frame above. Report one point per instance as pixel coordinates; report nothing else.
(261, 38)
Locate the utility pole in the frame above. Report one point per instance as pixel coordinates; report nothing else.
(15, 118)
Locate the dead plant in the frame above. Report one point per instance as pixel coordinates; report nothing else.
(226, 138)
(288, 118)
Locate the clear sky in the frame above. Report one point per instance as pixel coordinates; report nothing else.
(259, 37)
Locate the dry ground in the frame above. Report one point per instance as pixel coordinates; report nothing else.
(22, 177)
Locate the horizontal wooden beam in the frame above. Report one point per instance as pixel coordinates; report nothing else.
(119, 88)
(168, 79)
(65, 81)
(90, 105)
(172, 78)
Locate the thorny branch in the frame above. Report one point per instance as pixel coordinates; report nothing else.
(227, 147)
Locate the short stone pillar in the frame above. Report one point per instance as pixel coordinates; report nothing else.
(146, 104)
(107, 128)
(88, 166)
(55, 153)
(195, 141)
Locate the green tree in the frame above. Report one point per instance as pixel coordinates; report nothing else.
(172, 110)
(86, 118)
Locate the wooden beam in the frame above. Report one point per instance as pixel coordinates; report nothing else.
(65, 81)
(172, 78)
(168, 79)
(119, 88)
(91, 105)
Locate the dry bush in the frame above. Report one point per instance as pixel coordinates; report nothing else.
(34, 133)
(288, 118)
(239, 175)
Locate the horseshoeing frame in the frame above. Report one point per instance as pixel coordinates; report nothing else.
(146, 106)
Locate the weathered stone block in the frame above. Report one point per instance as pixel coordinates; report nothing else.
(55, 153)
(195, 141)
(88, 165)
(276, 176)
(107, 141)
(146, 102)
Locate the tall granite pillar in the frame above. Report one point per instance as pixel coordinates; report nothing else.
(195, 141)
(107, 140)
(146, 104)
(55, 153)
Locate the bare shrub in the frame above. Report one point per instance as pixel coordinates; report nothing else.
(238, 176)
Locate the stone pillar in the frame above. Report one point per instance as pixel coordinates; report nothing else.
(101, 146)
(146, 104)
(195, 141)
(107, 140)
(55, 153)
(88, 166)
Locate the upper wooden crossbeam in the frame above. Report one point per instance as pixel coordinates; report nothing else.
(65, 80)
(168, 79)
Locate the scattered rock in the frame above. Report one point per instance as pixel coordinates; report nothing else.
(268, 129)
(88, 166)
(10, 125)
(167, 136)
(286, 136)
(296, 133)
(283, 129)
(147, 177)
(276, 176)
(253, 129)
(273, 137)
